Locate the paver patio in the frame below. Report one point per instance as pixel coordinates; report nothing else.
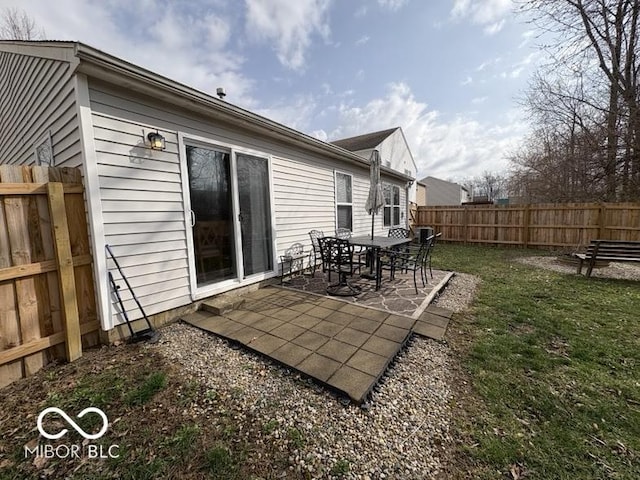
(344, 346)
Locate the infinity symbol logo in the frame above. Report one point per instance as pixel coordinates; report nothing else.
(105, 423)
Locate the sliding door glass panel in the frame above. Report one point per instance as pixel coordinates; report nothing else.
(255, 213)
(211, 203)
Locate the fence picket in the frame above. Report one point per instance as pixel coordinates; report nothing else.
(43, 268)
(566, 226)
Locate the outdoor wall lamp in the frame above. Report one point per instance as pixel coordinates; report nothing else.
(156, 141)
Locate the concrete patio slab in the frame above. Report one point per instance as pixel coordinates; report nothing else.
(345, 346)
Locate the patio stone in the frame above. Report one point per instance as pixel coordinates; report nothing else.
(352, 337)
(400, 321)
(377, 315)
(392, 333)
(331, 304)
(353, 309)
(290, 354)
(327, 328)
(320, 312)
(306, 321)
(340, 318)
(302, 307)
(224, 327)
(244, 316)
(266, 324)
(266, 344)
(287, 331)
(433, 319)
(381, 346)
(353, 382)
(310, 340)
(286, 314)
(336, 350)
(429, 330)
(441, 312)
(368, 362)
(364, 324)
(245, 335)
(318, 366)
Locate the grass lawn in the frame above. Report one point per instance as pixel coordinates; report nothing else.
(553, 371)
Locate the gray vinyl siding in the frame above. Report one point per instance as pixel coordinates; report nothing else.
(37, 96)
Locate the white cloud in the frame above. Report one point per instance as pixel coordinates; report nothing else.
(189, 46)
(490, 14)
(493, 28)
(362, 40)
(479, 100)
(392, 5)
(466, 81)
(444, 147)
(288, 25)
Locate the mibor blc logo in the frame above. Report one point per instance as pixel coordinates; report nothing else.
(72, 450)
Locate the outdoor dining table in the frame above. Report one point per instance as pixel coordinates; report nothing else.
(374, 245)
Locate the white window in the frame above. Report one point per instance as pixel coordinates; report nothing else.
(344, 201)
(391, 205)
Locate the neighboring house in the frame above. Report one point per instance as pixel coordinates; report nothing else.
(212, 211)
(442, 192)
(396, 155)
(421, 194)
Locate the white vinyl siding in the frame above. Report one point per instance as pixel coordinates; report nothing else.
(141, 191)
(37, 99)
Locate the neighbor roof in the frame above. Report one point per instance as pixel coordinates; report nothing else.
(364, 142)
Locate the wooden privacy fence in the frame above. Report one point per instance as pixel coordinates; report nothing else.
(47, 299)
(558, 225)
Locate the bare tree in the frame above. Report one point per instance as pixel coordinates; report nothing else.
(16, 24)
(589, 96)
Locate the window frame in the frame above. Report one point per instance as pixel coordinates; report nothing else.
(339, 204)
(391, 209)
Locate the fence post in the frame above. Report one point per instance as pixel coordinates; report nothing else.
(601, 220)
(525, 225)
(465, 223)
(66, 275)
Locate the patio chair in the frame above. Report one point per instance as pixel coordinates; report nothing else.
(315, 236)
(398, 232)
(427, 257)
(338, 256)
(343, 233)
(413, 259)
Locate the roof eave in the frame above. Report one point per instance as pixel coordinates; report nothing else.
(95, 63)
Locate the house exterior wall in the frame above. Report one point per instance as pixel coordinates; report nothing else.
(141, 191)
(37, 100)
(421, 194)
(441, 192)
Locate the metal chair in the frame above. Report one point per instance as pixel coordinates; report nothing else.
(413, 259)
(315, 236)
(337, 255)
(432, 244)
(398, 232)
(343, 233)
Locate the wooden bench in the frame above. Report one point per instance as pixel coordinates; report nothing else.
(608, 250)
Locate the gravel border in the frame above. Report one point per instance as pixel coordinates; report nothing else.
(622, 271)
(403, 432)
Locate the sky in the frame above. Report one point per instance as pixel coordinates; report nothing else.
(449, 72)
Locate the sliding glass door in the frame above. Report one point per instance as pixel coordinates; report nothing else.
(255, 213)
(231, 216)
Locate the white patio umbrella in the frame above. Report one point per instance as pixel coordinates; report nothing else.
(375, 200)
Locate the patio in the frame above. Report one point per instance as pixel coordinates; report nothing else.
(340, 343)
